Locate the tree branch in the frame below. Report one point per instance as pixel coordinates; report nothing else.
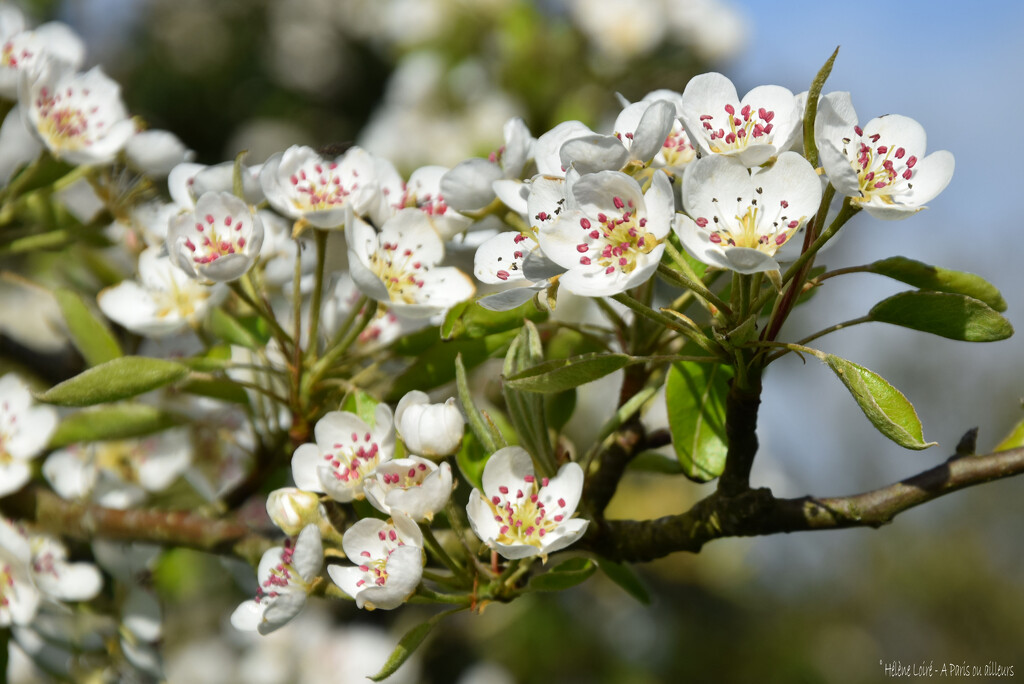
(756, 512)
(169, 528)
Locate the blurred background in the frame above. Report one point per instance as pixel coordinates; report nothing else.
(433, 81)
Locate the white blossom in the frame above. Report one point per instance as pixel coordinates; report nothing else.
(429, 429)
(390, 558)
(285, 578)
(414, 486)
(519, 515)
(24, 431)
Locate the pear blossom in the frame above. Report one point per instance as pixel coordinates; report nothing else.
(218, 241)
(188, 181)
(548, 147)
(21, 48)
(755, 129)
(285, 577)
(390, 557)
(469, 186)
(163, 301)
(291, 509)
(609, 235)
(302, 184)
(414, 486)
(737, 218)
(399, 265)
(19, 596)
(519, 515)
(79, 117)
(676, 150)
(640, 132)
(429, 429)
(24, 431)
(423, 191)
(118, 474)
(515, 257)
(155, 153)
(882, 167)
(345, 452)
(55, 576)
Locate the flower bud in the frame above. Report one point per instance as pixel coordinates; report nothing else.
(291, 509)
(429, 429)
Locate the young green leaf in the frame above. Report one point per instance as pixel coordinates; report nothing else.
(363, 405)
(811, 108)
(695, 394)
(89, 334)
(487, 435)
(118, 421)
(884, 405)
(626, 578)
(114, 380)
(229, 329)
(471, 459)
(408, 644)
(558, 375)
(435, 365)
(1013, 440)
(926, 277)
(955, 316)
(563, 576)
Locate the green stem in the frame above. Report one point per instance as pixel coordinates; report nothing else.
(435, 548)
(318, 289)
(834, 328)
(667, 321)
(332, 354)
(239, 288)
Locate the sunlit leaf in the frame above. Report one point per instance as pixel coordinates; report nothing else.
(88, 333)
(954, 316)
(884, 405)
(695, 394)
(926, 277)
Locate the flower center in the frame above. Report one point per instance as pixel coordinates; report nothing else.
(14, 55)
(882, 170)
(746, 228)
(68, 119)
(122, 458)
(407, 478)
(398, 270)
(376, 569)
(523, 517)
(616, 241)
(215, 241)
(319, 186)
(677, 148)
(352, 462)
(281, 576)
(748, 126)
(8, 428)
(6, 584)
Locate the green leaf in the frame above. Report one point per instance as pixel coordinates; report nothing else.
(227, 328)
(623, 575)
(811, 108)
(558, 408)
(89, 334)
(221, 389)
(486, 433)
(119, 421)
(695, 394)
(955, 316)
(926, 277)
(884, 405)
(558, 375)
(563, 576)
(471, 459)
(526, 409)
(1013, 440)
(363, 405)
(114, 380)
(408, 644)
(436, 365)
(655, 462)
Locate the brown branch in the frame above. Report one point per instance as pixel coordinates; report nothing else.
(756, 512)
(169, 528)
